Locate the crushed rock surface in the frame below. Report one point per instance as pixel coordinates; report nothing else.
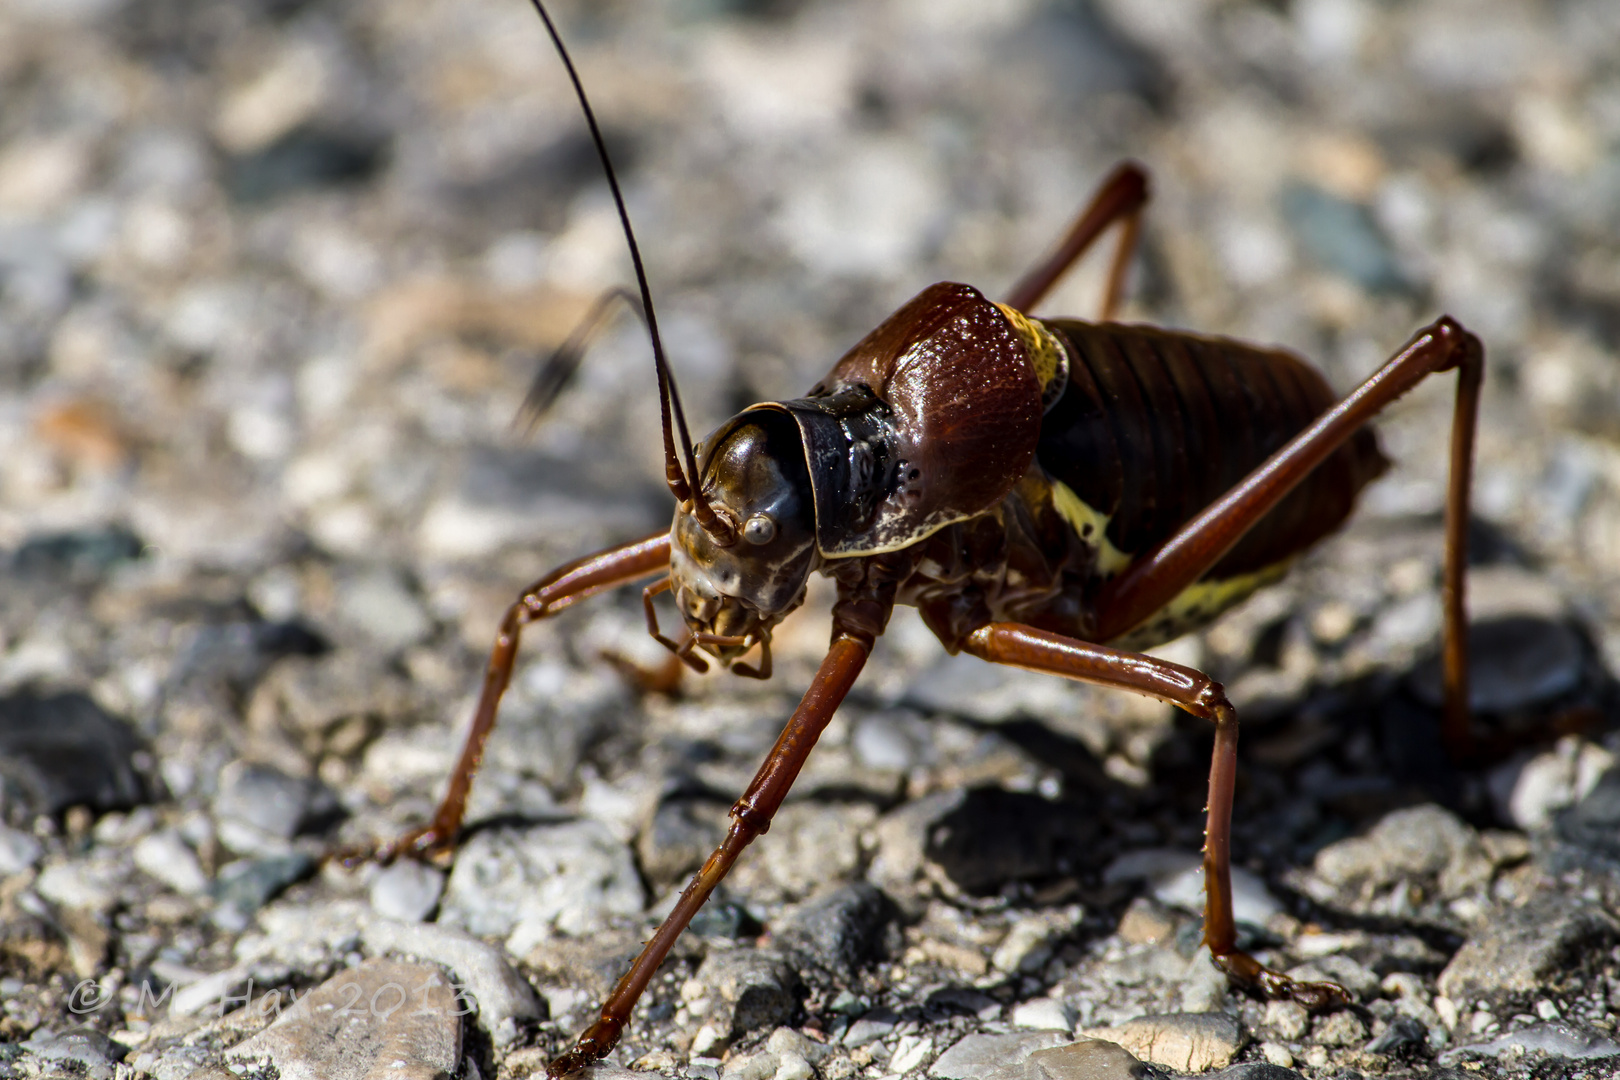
(275, 277)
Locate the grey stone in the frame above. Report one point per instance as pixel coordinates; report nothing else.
(1031, 939)
(965, 1000)
(323, 702)
(83, 1047)
(381, 1018)
(407, 890)
(1288, 1019)
(246, 885)
(380, 604)
(176, 1062)
(1177, 879)
(993, 1057)
(811, 845)
(1593, 824)
(995, 836)
(273, 802)
(80, 555)
(570, 878)
(882, 742)
(785, 1040)
(1515, 663)
(681, 834)
(1043, 1014)
(871, 1027)
(965, 686)
(1190, 1042)
(1341, 969)
(1558, 1038)
(1403, 1031)
(1421, 842)
(1254, 1070)
(552, 714)
(62, 750)
(841, 930)
(18, 850)
(1516, 950)
(1087, 1059)
(168, 858)
(1531, 790)
(306, 937)
(92, 883)
(901, 859)
(501, 994)
(1343, 237)
(304, 158)
(1339, 1028)
(592, 964)
(749, 990)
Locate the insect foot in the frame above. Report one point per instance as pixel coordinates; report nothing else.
(1275, 986)
(598, 1040)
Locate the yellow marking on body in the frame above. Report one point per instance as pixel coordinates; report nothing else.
(1046, 355)
(1197, 605)
(1091, 526)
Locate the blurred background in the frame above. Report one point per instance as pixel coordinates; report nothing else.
(275, 275)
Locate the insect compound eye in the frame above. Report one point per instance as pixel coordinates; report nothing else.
(759, 529)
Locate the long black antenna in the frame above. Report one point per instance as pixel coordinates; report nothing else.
(684, 485)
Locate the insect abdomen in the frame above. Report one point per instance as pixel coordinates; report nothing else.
(1155, 425)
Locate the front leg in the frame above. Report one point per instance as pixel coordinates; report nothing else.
(750, 817)
(551, 594)
(1037, 650)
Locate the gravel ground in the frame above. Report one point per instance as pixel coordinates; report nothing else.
(274, 276)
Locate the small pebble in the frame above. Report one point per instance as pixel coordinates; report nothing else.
(18, 851)
(1043, 1014)
(406, 890)
(528, 883)
(1557, 1039)
(1190, 1042)
(271, 801)
(1086, 1059)
(1288, 1019)
(993, 1057)
(1277, 1054)
(166, 857)
(382, 1015)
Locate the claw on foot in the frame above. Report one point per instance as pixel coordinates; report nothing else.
(1315, 996)
(600, 1038)
(1274, 985)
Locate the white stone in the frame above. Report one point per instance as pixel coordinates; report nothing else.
(166, 857)
(1043, 1014)
(85, 884)
(18, 851)
(1177, 879)
(909, 1053)
(1028, 944)
(1277, 1054)
(503, 996)
(574, 877)
(380, 604)
(408, 890)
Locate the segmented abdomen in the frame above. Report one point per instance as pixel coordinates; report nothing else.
(1154, 425)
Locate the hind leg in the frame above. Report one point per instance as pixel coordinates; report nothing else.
(1121, 198)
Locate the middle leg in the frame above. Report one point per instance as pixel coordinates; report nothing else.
(1038, 650)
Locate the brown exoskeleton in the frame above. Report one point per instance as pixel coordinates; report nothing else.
(1051, 494)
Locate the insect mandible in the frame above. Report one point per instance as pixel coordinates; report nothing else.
(1050, 494)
